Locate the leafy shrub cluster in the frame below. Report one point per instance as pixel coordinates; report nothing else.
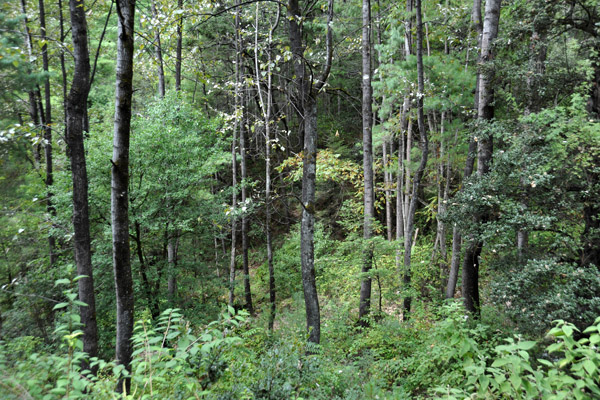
(542, 291)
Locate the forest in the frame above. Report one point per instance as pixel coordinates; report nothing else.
(299, 199)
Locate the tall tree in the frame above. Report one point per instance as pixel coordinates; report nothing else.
(237, 126)
(266, 109)
(36, 109)
(76, 110)
(369, 196)
(244, 167)
(120, 186)
(179, 46)
(158, 51)
(424, 146)
(485, 113)
(307, 90)
(477, 26)
(47, 132)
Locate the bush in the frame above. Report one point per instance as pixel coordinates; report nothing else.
(572, 373)
(547, 290)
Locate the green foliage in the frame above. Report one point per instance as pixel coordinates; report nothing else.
(169, 359)
(546, 290)
(452, 344)
(569, 371)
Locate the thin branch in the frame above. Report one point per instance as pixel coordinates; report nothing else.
(100, 43)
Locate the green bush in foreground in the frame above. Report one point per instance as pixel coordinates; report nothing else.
(569, 369)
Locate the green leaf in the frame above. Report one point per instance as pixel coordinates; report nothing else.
(568, 330)
(526, 345)
(60, 305)
(500, 362)
(589, 366)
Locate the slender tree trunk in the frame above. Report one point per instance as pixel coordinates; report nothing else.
(62, 62)
(387, 183)
(266, 111)
(368, 199)
(442, 196)
(120, 187)
(159, 55)
(307, 106)
(307, 230)
(47, 134)
(485, 112)
(424, 145)
(76, 104)
(238, 124)
(179, 47)
(477, 25)
(172, 247)
(36, 109)
(244, 169)
(152, 300)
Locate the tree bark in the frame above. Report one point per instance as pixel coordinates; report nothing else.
(172, 247)
(477, 25)
(368, 199)
(306, 100)
(47, 135)
(76, 105)
(238, 126)
(179, 47)
(387, 184)
(244, 168)
(424, 145)
(266, 111)
(36, 109)
(120, 187)
(485, 112)
(159, 55)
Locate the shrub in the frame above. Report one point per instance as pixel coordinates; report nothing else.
(547, 290)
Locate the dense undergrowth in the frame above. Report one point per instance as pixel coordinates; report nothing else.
(438, 354)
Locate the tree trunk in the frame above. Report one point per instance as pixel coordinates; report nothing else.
(307, 229)
(307, 106)
(76, 104)
(244, 169)
(47, 135)
(159, 56)
(368, 199)
(36, 109)
(172, 247)
(62, 62)
(238, 127)
(477, 25)
(424, 145)
(266, 112)
(179, 47)
(485, 112)
(120, 187)
(151, 299)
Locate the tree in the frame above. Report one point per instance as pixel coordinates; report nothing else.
(158, 50)
(266, 110)
(76, 111)
(47, 132)
(307, 90)
(369, 196)
(485, 113)
(238, 124)
(120, 187)
(477, 25)
(424, 146)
